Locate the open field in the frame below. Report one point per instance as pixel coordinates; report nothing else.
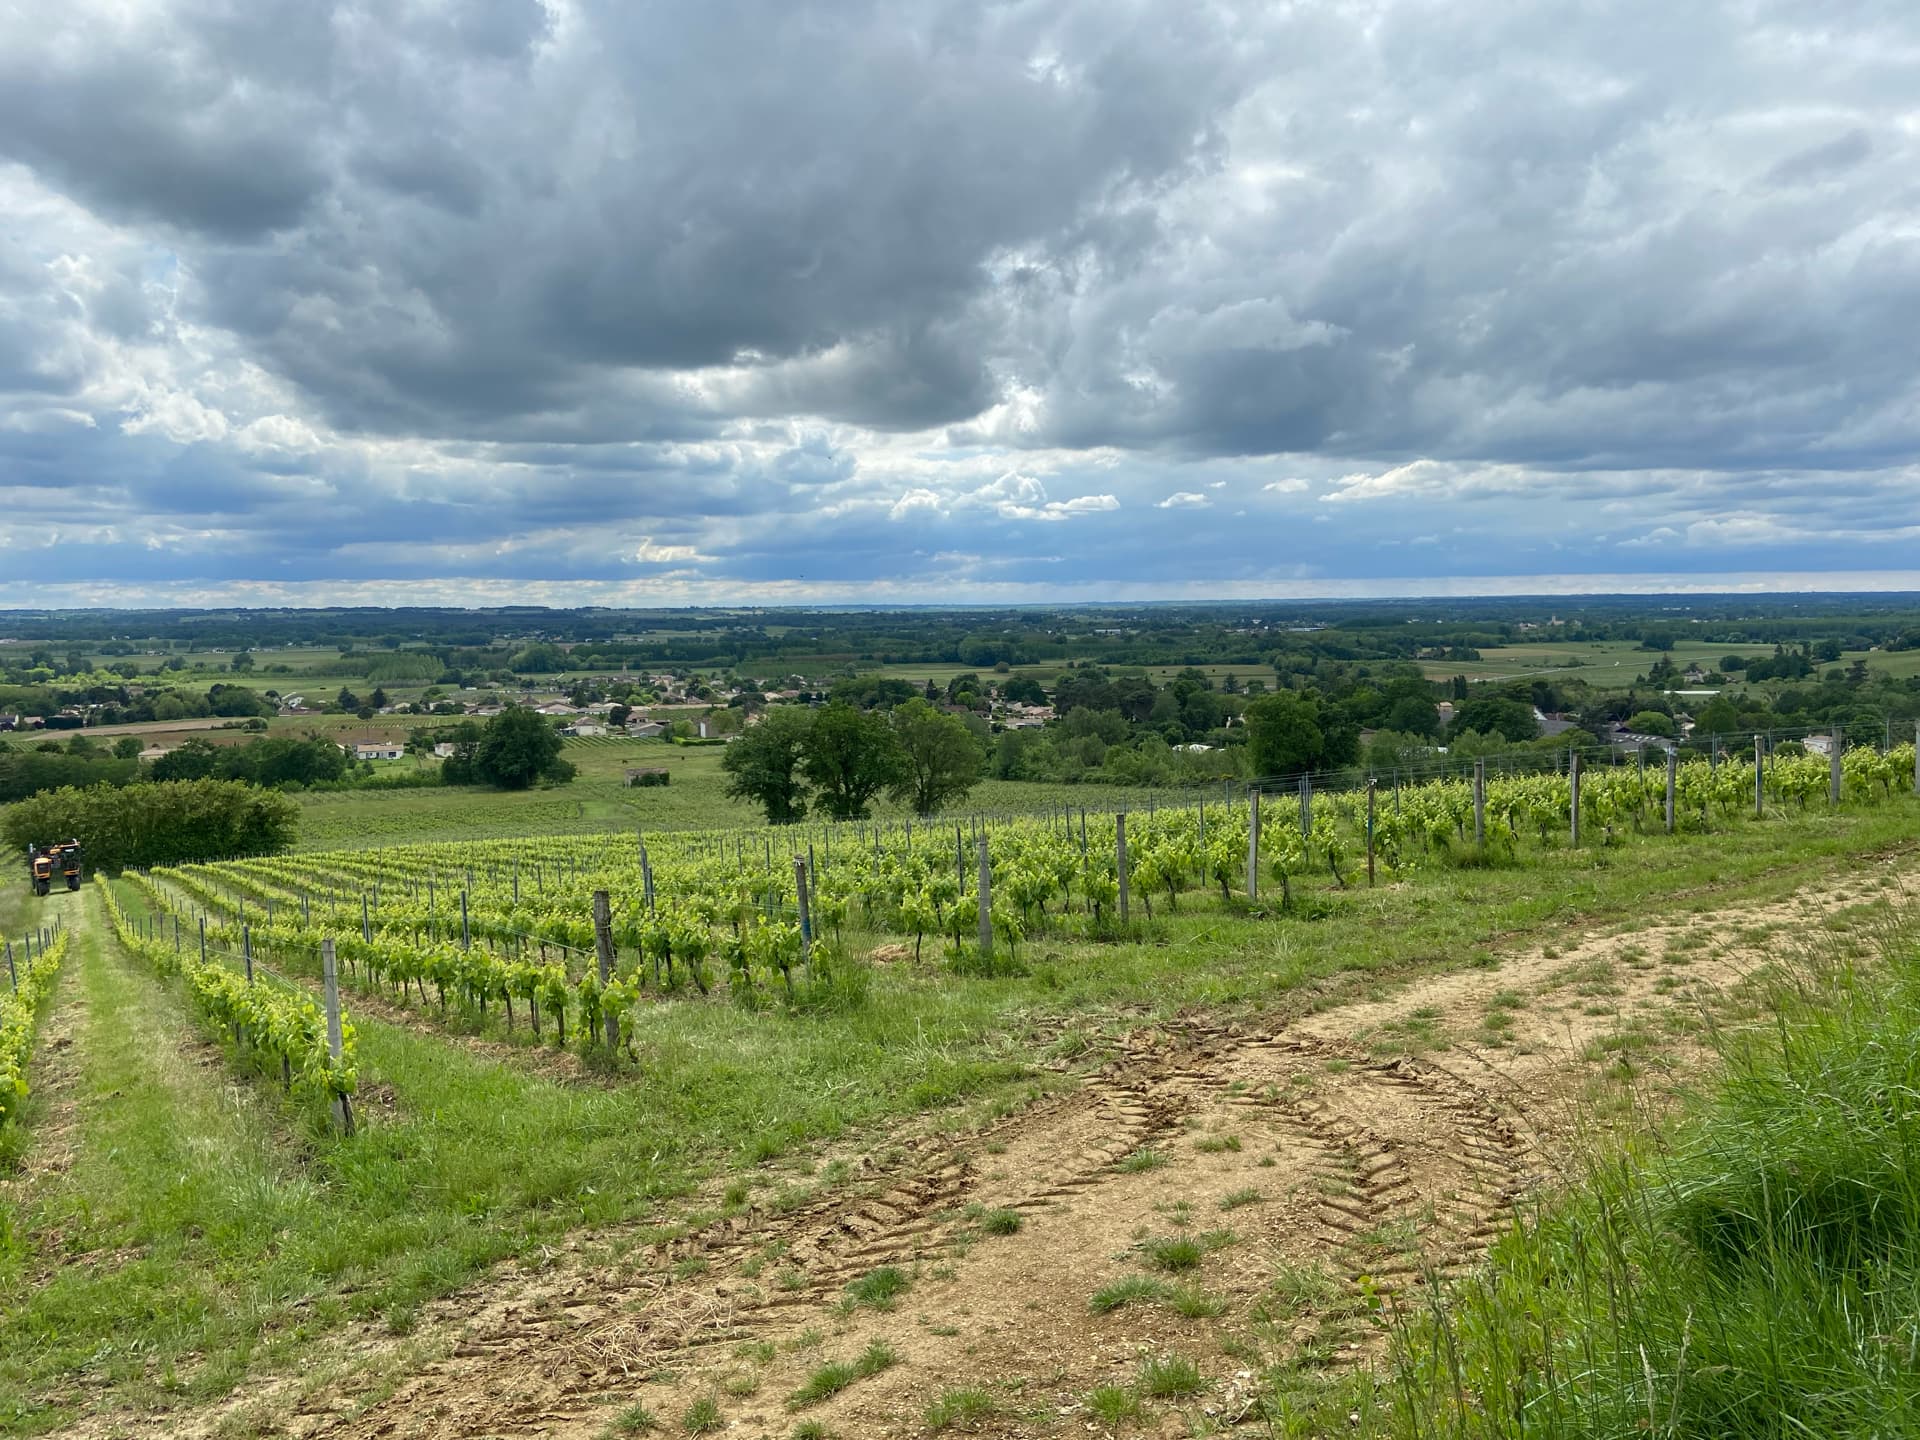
(598, 800)
(1187, 1144)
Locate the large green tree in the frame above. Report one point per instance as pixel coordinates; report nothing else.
(1284, 735)
(940, 761)
(1497, 715)
(517, 748)
(764, 764)
(850, 756)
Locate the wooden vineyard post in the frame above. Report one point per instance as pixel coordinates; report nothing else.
(330, 992)
(1573, 794)
(366, 920)
(1120, 858)
(1480, 803)
(1673, 767)
(306, 913)
(985, 901)
(203, 939)
(1253, 843)
(12, 974)
(1759, 778)
(646, 876)
(806, 910)
(1370, 801)
(246, 949)
(466, 935)
(176, 934)
(1306, 810)
(959, 857)
(603, 948)
(1833, 765)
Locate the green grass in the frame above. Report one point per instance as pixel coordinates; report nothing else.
(1134, 1290)
(879, 1289)
(702, 1417)
(211, 1231)
(1001, 1222)
(1753, 1270)
(965, 1406)
(831, 1378)
(636, 1419)
(1113, 1405)
(1170, 1377)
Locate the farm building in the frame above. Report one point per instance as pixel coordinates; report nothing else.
(379, 750)
(643, 776)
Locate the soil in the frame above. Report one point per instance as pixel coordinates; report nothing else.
(1325, 1167)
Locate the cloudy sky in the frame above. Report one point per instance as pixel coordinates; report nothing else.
(616, 301)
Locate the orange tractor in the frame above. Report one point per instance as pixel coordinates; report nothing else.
(44, 862)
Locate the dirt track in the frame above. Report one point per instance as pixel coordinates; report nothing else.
(1321, 1168)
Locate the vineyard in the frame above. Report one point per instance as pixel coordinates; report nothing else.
(31, 968)
(755, 1066)
(508, 931)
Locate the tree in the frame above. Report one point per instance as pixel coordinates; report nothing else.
(157, 824)
(850, 756)
(192, 760)
(1284, 734)
(1497, 714)
(763, 765)
(939, 758)
(517, 748)
(1651, 722)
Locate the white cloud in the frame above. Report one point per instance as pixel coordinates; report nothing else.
(1293, 485)
(1184, 500)
(915, 503)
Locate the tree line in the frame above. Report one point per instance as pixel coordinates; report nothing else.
(840, 758)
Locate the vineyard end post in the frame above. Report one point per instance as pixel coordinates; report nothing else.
(1480, 803)
(1759, 777)
(806, 910)
(1120, 858)
(1673, 766)
(1573, 795)
(1370, 800)
(986, 900)
(466, 934)
(1253, 843)
(246, 949)
(603, 948)
(1833, 765)
(12, 974)
(330, 990)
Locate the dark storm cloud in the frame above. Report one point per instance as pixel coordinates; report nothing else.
(1141, 288)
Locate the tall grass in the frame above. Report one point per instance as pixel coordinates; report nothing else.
(1755, 1271)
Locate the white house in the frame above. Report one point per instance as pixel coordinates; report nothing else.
(645, 729)
(379, 750)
